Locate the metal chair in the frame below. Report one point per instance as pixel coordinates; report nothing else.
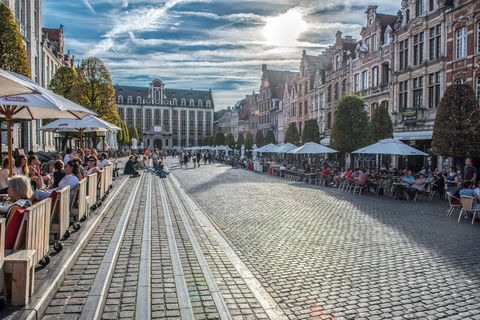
(453, 204)
(467, 206)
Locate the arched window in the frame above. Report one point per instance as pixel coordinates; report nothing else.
(192, 102)
(200, 103)
(129, 99)
(208, 104)
(183, 102)
(337, 62)
(120, 99)
(174, 101)
(139, 100)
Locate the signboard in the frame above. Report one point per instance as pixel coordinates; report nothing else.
(157, 129)
(409, 114)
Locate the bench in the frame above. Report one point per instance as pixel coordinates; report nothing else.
(19, 276)
(60, 216)
(79, 208)
(92, 190)
(101, 186)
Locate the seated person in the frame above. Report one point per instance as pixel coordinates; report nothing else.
(159, 168)
(469, 191)
(35, 172)
(58, 174)
(71, 179)
(363, 178)
(103, 161)
(91, 166)
(349, 176)
(408, 182)
(20, 166)
(20, 191)
(129, 167)
(4, 175)
(51, 163)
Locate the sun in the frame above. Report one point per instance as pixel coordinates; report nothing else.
(285, 29)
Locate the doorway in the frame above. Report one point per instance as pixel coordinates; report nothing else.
(157, 143)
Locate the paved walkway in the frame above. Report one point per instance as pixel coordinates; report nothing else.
(323, 253)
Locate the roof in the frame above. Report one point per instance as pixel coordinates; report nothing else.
(217, 115)
(277, 80)
(385, 19)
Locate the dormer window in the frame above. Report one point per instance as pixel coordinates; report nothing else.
(139, 100)
(129, 99)
(174, 101)
(120, 99)
(192, 102)
(208, 104)
(183, 102)
(200, 103)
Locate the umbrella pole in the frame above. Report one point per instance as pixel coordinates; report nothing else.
(9, 137)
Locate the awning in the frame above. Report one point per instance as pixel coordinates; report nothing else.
(325, 141)
(413, 135)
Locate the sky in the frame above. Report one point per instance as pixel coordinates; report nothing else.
(204, 44)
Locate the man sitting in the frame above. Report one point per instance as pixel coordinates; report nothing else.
(470, 192)
(129, 169)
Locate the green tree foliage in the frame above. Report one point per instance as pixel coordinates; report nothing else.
(259, 139)
(219, 139)
(456, 131)
(292, 136)
(240, 140)
(122, 135)
(133, 133)
(311, 132)
(249, 141)
(62, 82)
(211, 140)
(270, 138)
(380, 126)
(13, 56)
(93, 89)
(230, 140)
(350, 127)
(205, 141)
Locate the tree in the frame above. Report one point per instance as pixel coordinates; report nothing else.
(13, 55)
(249, 141)
(456, 130)
(211, 140)
(240, 140)
(219, 139)
(93, 89)
(292, 136)
(133, 133)
(63, 81)
(205, 141)
(122, 135)
(311, 132)
(270, 138)
(350, 127)
(259, 139)
(230, 140)
(380, 126)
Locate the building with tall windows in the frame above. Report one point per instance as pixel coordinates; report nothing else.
(166, 118)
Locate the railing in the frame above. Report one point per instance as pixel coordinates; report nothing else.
(79, 207)
(92, 189)
(60, 215)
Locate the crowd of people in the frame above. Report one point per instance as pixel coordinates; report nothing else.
(33, 181)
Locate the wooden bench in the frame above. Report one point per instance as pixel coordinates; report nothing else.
(79, 208)
(60, 216)
(34, 231)
(19, 276)
(92, 190)
(101, 186)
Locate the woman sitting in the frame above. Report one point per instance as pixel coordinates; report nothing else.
(91, 166)
(20, 191)
(58, 173)
(71, 179)
(4, 175)
(20, 167)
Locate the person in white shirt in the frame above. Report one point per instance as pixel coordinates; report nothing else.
(103, 161)
(20, 168)
(68, 155)
(20, 191)
(91, 166)
(4, 175)
(70, 179)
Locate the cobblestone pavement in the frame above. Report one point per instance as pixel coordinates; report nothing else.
(322, 253)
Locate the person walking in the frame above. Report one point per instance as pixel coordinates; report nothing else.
(199, 158)
(185, 160)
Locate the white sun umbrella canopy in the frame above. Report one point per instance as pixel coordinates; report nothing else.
(222, 148)
(284, 148)
(9, 85)
(87, 124)
(206, 148)
(390, 146)
(267, 148)
(311, 148)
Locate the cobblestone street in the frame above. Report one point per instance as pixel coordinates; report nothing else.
(322, 253)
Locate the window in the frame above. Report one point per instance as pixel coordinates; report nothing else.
(433, 90)
(419, 8)
(129, 99)
(139, 100)
(375, 77)
(385, 73)
(461, 42)
(300, 109)
(478, 90)
(208, 104)
(418, 49)
(344, 86)
(478, 37)
(157, 117)
(139, 120)
(367, 44)
(403, 54)
(306, 87)
(148, 120)
(120, 99)
(183, 102)
(431, 5)
(166, 120)
(121, 113)
(322, 100)
(403, 95)
(305, 107)
(337, 62)
(364, 80)
(374, 42)
(192, 102)
(418, 92)
(335, 91)
(461, 81)
(435, 42)
(200, 103)
(407, 16)
(300, 89)
(329, 94)
(387, 38)
(357, 82)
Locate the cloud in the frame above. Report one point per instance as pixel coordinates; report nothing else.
(89, 6)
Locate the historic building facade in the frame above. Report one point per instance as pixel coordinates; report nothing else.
(166, 118)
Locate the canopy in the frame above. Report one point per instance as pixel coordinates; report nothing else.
(284, 148)
(311, 148)
(206, 148)
(87, 124)
(10, 86)
(268, 148)
(390, 146)
(222, 148)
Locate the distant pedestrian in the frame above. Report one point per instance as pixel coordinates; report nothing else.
(199, 158)
(185, 160)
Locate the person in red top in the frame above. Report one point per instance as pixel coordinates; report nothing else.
(325, 172)
(349, 176)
